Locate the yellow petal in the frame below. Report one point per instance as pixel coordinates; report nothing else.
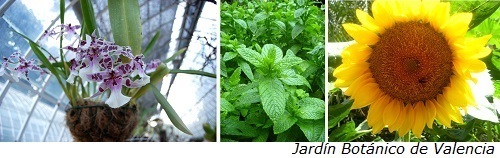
(457, 25)
(376, 110)
(365, 95)
(410, 116)
(361, 34)
(382, 16)
(401, 117)
(420, 119)
(454, 97)
(399, 11)
(360, 81)
(351, 71)
(440, 15)
(476, 65)
(391, 112)
(427, 8)
(461, 87)
(367, 21)
(357, 53)
(441, 115)
(455, 114)
(431, 109)
(377, 127)
(414, 9)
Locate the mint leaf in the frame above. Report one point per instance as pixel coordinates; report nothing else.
(273, 97)
(284, 123)
(242, 23)
(246, 69)
(314, 130)
(260, 17)
(288, 62)
(251, 56)
(225, 105)
(233, 126)
(280, 24)
(311, 108)
(299, 13)
(268, 48)
(297, 29)
(235, 77)
(229, 56)
(263, 134)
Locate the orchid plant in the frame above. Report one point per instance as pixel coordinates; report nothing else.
(97, 69)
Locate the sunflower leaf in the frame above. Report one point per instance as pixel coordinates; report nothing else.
(338, 112)
(346, 132)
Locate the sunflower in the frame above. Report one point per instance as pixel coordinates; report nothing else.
(411, 64)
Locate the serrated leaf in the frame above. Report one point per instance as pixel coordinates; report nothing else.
(260, 17)
(251, 56)
(233, 126)
(240, 89)
(273, 97)
(299, 13)
(268, 48)
(314, 130)
(336, 113)
(284, 123)
(242, 23)
(229, 55)
(346, 133)
(297, 29)
(246, 69)
(226, 105)
(249, 97)
(263, 134)
(235, 77)
(252, 26)
(288, 62)
(311, 108)
(280, 24)
(301, 2)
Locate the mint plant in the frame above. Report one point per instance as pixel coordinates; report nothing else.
(272, 71)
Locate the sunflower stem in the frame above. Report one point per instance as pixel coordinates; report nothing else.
(490, 129)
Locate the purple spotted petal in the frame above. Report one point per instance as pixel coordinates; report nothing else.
(102, 87)
(116, 98)
(151, 66)
(98, 77)
(137, 83)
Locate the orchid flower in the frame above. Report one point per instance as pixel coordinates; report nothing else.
(23, 66)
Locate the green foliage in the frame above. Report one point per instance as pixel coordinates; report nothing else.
(272, 71)
(125, 19)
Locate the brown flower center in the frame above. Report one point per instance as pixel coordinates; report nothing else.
(412, 62)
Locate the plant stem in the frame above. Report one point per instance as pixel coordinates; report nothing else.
(194, 72)
(490, 130)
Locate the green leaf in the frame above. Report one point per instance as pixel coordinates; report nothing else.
(297, 29)
(151, 43)
(179, 52)
(249, 97)
(492, 62)
(314, 130)
(251, 56)
(172, 115)
(299, 13)
(268, 48)
(246, 69)
(252, 26)
(235, 77)
(483, 11)
(47, 63)
(336, 113)
(289, 77)
(88, 18)
(346, 133)
(273, 97)
(226, 106)
(125, 19)
(229, 55)
(260, 17)
(233, 126)
(301, 2)
(288, 62)
(263, 134)
(311, 108)
(284, 123)
(242, 23)
(193, 72)
(280, 24)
